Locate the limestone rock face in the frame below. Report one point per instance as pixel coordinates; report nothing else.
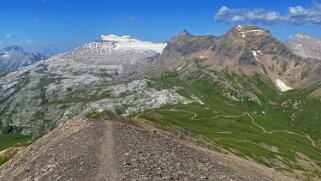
(101, 75)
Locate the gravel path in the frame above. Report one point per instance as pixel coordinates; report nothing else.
(120, 150)
(107, 170)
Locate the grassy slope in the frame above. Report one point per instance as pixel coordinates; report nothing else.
(293, 112)
(9, 141)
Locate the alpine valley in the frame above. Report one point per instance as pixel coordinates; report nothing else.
(243, 94)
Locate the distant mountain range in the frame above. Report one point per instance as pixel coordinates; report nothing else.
(14, 57)
(244, 93)
(85, 80)
(306, 46)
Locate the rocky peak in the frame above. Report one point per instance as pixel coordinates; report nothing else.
(185, 43)
(301, 35)
(182, 37)
(184, 33)
(306, 46)
(248, 31)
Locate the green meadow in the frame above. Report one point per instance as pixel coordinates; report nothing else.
(282, 131)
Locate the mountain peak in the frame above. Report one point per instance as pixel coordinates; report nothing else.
(306, 46)
(302, 35)
(14, 57)
(184, 33)
(249, 31)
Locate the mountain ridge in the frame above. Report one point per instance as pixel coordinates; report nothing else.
(14, 57)
(245, 50)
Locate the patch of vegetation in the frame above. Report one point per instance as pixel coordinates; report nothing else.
(95, 115)
(98, 116)
(14, 140)
(305, 73)
(10, 141)
(42, 68)
(7, 155)
(43, 83)
(284, 65)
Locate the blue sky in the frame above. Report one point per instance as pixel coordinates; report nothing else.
(61, 25)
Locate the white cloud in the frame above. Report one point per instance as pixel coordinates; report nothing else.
(300, 15)
(298, 10)
(8, 35)
(246, 15)
(295, 15)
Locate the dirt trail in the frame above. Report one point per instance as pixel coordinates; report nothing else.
(107, 157)
(121, 150)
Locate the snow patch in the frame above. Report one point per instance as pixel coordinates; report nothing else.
(127, 42)
(255, 55)
(6, 55)
(262, 71)
(245, 32)
(283, 87)
(257, 32)
(115, 38)
(259, 51)
(240, 29)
